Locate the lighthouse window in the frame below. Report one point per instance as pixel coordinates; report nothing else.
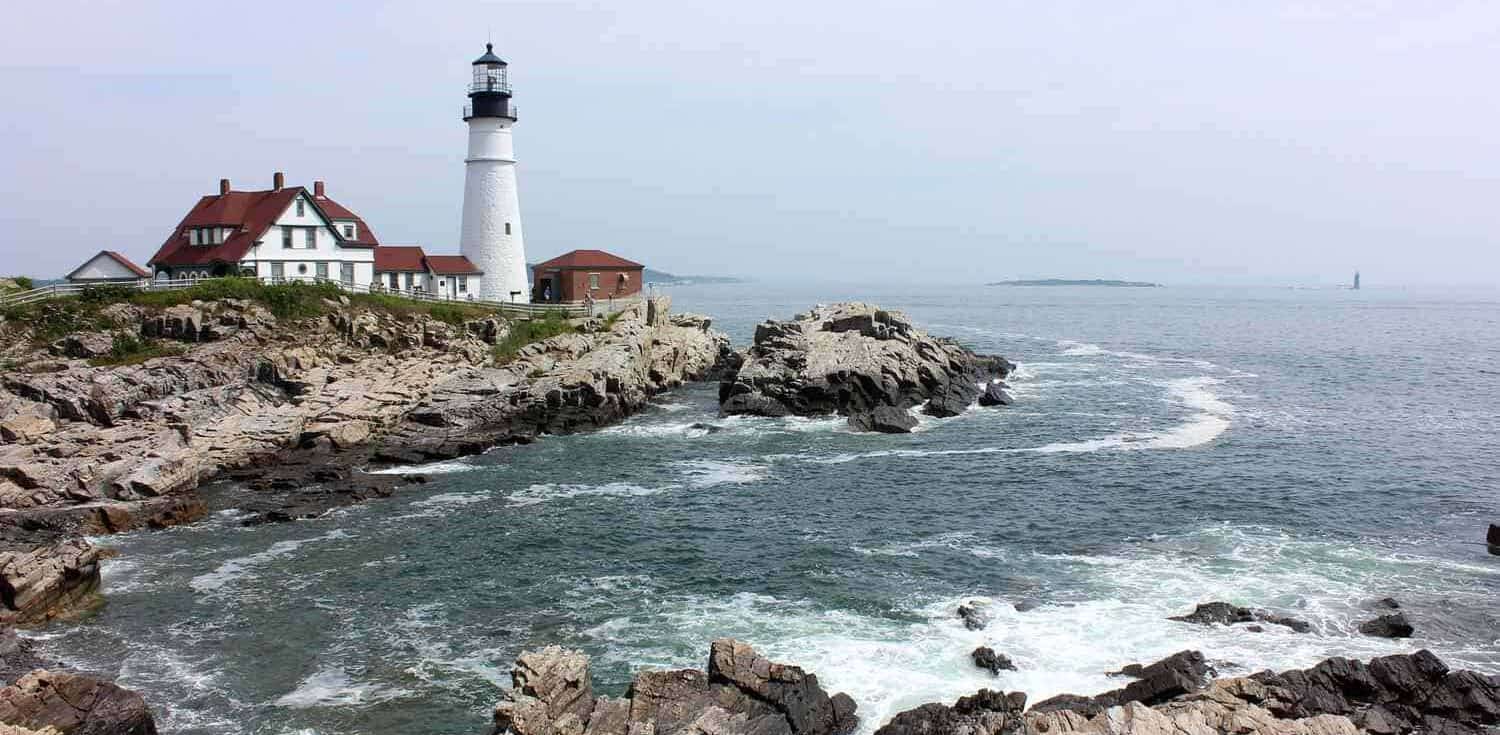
(507, 228)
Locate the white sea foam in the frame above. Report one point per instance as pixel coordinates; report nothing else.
(234, 569)
(542, 493)
(435, 506)
(434, 468)
(711, 473)
(956, 541)
(333, 687)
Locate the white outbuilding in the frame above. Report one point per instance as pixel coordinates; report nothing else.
(108, 267)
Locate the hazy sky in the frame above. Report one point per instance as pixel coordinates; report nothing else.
(1262, 142)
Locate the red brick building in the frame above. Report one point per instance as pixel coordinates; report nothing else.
(571, 275)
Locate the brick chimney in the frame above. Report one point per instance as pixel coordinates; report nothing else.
(318, 190)
(223, 186)
(278, 182)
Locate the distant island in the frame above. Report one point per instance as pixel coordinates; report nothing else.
(656, 276)
(1071, 282)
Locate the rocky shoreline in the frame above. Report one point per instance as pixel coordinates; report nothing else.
(743, 693)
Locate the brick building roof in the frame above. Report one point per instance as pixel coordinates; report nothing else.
(589, 259)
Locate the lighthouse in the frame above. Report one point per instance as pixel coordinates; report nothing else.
(491, 233)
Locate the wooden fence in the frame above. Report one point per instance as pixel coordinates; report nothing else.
(523, 310)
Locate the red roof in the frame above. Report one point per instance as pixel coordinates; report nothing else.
(589, 259)
(250, 213)
(363, 235)
(118, 258)
(451, 265)
(399, 258)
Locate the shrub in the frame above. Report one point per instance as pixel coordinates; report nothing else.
(523, 333)
(24, 283)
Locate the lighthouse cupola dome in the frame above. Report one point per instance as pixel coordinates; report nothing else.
(489, 90)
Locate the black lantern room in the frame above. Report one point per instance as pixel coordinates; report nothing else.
(489, 92)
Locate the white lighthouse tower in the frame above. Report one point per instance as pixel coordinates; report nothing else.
(491, 234)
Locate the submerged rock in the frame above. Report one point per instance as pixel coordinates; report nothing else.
(1223, 613)
(1394, 625)
(995, 394)
(742, 693)
(73, 703)
(859, 361)
(985, 658)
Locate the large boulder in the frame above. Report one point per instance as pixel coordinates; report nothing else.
(47, 581)
(1394, 625)
(74, 704)
(1181, 673)
(986, 712)
(856, 360)
(741, 693)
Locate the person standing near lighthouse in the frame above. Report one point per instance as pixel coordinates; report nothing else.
(491, 233)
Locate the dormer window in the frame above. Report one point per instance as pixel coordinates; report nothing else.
(349, 231)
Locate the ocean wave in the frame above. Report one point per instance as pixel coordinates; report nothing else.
(956, 541)
(234, 569)
(542, 493)
(333, 687)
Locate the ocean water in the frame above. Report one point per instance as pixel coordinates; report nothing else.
(1302, 450)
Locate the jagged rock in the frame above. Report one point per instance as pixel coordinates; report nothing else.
(1175, 675)
(986, 712)
(884, 419)
(995, 395)
(84, 345)
(73, 704)
(1394, 625)
(742, 693)
(27, 421)
(47, 581)
(1386, 603)
(985, 658)
(974, 615)
(852, 359)
(1223, 613)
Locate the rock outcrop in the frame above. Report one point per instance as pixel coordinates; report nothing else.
(1223, 613)
(1413, 693)
(73, 704)
(292, 409)
(974, 614)
(860, 361)
(740, 693)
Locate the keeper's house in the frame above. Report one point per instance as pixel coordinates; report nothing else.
(282, 233)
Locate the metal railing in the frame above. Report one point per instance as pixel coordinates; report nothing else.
(524, 310)
(510, 112)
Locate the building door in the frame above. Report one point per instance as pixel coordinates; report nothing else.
(346, 274)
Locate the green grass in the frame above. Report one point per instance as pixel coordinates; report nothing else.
(284, 300)
(530, 332)
(609, 321)
(128, 349)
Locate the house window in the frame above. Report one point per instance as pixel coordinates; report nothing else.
(507, 228)
(278, 272)
(286, 238)
(593, 281)
(302, 268)
(322, 269)
(348, 230)
(395, 282)
(463, 284)
(346, 274)
(300, 211)
(312, 238)
(410, 281)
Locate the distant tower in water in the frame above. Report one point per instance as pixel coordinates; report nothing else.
(1356, 280)
(491, 233)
